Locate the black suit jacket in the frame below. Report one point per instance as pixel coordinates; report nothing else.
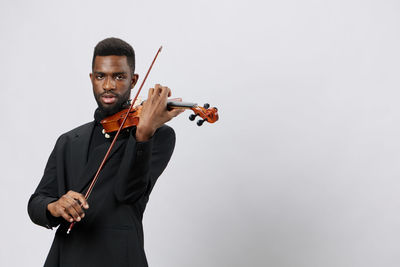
(111, 233)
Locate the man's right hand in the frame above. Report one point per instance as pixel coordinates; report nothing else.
(69, 206)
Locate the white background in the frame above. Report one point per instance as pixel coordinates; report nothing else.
(301, 170)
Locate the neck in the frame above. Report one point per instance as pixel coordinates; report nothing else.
(181, 105)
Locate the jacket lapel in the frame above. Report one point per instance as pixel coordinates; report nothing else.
(78, 152)
(93, 163)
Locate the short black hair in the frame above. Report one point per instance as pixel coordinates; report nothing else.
(115, 47)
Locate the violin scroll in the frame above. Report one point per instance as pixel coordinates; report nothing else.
(206, 113)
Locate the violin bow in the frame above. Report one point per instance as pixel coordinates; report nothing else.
(89, 191)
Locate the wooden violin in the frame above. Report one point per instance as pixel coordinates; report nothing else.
(113, 122)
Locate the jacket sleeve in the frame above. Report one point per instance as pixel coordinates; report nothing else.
(45, 193)
(143, 163)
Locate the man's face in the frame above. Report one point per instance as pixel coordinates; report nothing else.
(112, 82)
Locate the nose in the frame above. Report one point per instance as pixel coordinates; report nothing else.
(109, 84)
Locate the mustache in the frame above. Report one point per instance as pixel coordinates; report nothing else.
(107, 93)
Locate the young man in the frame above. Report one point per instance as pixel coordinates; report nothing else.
(108, 229)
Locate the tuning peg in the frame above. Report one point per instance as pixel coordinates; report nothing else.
(192, 117)
(206, 105)
(200, 122)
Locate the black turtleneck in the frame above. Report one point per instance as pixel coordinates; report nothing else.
(98, 137)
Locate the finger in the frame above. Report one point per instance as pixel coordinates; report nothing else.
(156, 88)
(165, 93)
(160, 96)
(70, 209)
(64, 214)
(77, 206)
(175, 112)
(177, 99)
(153, 96)
(159, 89)
(78, 196)
(150, 93)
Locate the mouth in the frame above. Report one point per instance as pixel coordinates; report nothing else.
(108, 99)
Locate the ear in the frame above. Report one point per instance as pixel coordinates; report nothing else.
(135, 78)
(90, 76)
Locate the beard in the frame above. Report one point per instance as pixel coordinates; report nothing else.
(120, 103)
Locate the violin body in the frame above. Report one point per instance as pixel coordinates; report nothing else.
(113, 122)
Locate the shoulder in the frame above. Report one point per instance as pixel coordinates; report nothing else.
(80, 130)
(83, 129)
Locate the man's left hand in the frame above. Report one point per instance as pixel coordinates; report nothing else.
(154, 112)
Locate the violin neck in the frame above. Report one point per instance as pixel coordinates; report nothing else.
(181, 105)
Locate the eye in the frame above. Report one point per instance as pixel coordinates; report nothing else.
(120, 77)
(99, 76)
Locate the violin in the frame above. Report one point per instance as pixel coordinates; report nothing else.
(112, 123)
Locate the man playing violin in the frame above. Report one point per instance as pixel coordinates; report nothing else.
(108, 227)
